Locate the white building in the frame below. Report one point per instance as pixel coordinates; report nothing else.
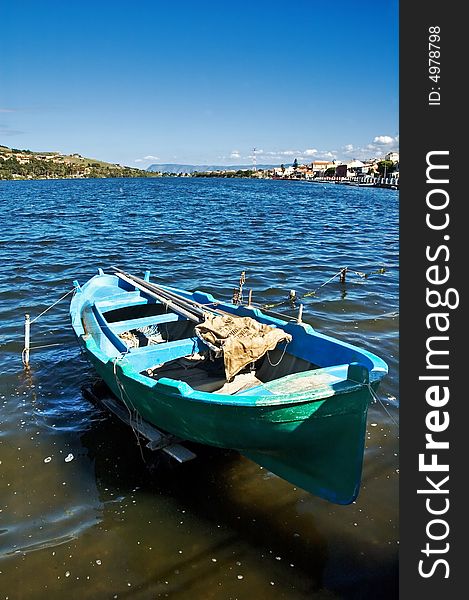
(392, 156)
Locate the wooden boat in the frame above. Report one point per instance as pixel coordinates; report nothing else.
(298, 409)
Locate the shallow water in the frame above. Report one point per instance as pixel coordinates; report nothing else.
(84, 511)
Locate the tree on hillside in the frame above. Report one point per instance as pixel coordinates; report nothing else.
(295, 164)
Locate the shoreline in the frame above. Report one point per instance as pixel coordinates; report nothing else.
(381, 183)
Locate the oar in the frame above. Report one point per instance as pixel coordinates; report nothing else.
(186, 303)
(192, 316)
(176, 299)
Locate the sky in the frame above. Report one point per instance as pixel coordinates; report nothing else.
(202, 82)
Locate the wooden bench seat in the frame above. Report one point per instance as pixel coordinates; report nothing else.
(121, 326)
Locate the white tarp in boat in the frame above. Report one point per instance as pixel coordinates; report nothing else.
(242, 339)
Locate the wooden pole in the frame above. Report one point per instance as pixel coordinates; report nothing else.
(300, 314)
(242, 281)
(250, 298)
(27, 337)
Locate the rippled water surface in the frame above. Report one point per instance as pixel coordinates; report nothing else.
(84, 512)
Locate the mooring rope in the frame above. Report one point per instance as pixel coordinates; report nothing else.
(23, 359)
(376, 398)
(122, 392)
(44, 346)
(28, 322)
(342, 272)
(52, 305)
(313, 292)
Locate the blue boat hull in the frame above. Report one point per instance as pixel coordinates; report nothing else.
(306, 426)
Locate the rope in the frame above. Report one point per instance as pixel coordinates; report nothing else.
(380, 271)
(27, 349)
(325, 283)
(378, 399)
(312, 293)
(282, 316)
(52, 305)
(291, 299)
(122, 391)
(280, 359)
(22, 357)
(45, 346)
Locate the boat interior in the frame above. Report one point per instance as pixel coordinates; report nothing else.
(159, 342)
(163, 344)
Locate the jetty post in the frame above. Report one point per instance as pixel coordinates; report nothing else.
(300, 314)
(27, 337)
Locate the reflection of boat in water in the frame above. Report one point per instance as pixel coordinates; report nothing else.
(291, 399)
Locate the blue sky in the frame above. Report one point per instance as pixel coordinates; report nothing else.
(200, 82)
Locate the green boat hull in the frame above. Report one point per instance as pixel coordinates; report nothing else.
(317, 446)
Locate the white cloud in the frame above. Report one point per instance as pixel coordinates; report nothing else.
(301, 155)
(383, 140)
(381, 145)
(274, 153)
(146, 158)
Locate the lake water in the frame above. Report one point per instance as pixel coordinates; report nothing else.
(84, 513)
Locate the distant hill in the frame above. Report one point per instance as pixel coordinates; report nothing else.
(178, 168)
(25, 164)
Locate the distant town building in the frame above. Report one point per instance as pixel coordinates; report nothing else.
(356, 167)
(341, 170)
(392, 156)
(319, 167)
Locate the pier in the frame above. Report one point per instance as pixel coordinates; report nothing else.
(380, 182)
